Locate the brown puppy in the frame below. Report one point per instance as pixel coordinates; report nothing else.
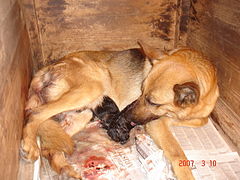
(180, 87)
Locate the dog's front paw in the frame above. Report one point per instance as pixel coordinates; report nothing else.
(29, 149)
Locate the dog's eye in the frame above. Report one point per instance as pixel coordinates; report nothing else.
(152, 103)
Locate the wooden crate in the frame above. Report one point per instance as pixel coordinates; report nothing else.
(34, 32)
(57, 27)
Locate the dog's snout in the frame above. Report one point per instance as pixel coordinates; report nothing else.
(124, 141)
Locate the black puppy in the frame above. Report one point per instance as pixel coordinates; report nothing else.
(106, 111)
(117, 124)
(121, 125)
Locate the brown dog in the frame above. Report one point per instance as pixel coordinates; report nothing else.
(180, 88)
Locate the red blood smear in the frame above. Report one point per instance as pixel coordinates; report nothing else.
(93, 171)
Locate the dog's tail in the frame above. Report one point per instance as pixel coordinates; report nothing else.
(54, 138)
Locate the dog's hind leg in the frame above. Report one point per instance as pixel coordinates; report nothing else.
(76, 98)
(59, 163)
(162, 136)
(55, 141)
(54, 138)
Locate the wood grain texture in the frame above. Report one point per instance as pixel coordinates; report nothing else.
(11, 27)
(228, 120)
(182, 20)
(71, 25)
(31, 19)
(14, 78)
(217, 34)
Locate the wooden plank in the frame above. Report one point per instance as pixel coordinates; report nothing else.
(73, 25)
(218, 35)
(5, 5)
(15, 71)
(12, 99)
(224, 136)
(182, 20)
(31, 18)
(228, 72)
(11, 27)
(228, 120)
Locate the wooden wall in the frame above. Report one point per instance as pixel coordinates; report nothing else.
(57, 27)
(215, 30)
(15, 70)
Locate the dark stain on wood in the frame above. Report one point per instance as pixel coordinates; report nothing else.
(215, 118)
(193, 15)
(184, 17)
(159, 35)
(70, 25)
(89, 4)
(163, 23)
(56, 8)
(57, 3)
(29, 6)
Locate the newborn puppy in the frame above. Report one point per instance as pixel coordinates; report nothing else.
(106, 111)
(121, 125)
(117, 124)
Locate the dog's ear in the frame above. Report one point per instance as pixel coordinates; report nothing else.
(152, 53)
(186, 94)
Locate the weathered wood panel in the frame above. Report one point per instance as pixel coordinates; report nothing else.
(228, 120)
(217, 34)
(15, 73)
(31, 19)
(11, 27)
(182, 19)
(70, 25)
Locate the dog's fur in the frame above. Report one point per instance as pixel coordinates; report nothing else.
(179, 89)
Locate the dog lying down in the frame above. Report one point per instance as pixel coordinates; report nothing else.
(159, 89)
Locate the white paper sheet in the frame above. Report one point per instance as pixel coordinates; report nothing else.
(209, 157)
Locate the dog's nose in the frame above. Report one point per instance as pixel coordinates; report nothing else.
(124, 142)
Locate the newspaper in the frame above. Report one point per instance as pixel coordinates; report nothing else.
(139, 159)
(208, 155)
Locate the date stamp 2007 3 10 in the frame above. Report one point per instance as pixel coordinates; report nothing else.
(191, 163)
